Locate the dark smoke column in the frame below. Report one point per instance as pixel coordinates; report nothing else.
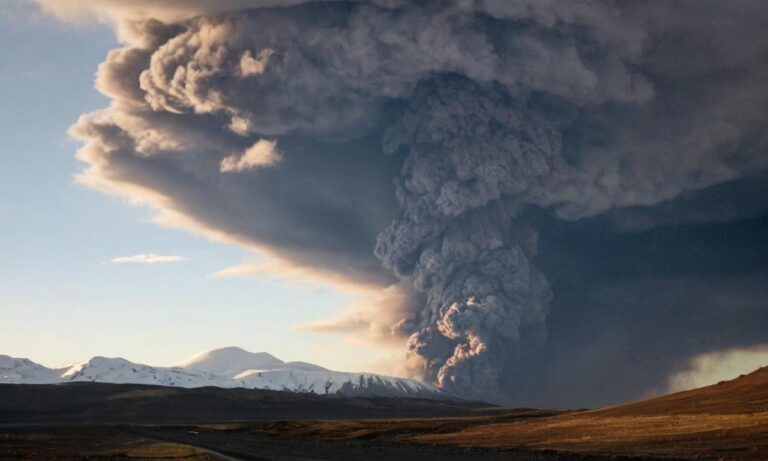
(473, 154)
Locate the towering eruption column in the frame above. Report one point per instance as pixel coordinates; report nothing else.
(473, 154)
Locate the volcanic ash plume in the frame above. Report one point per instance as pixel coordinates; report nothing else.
(260, 122)
(471, 154)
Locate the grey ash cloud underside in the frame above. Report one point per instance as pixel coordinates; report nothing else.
(453, 145)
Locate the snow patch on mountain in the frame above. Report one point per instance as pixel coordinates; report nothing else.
(20, 371)
(118, 370)
(331, 382)
(229, 361)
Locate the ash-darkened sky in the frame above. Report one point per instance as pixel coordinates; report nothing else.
(562, 202)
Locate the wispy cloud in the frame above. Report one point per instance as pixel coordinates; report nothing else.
(272, 267)
(377, 317)
(147, 258)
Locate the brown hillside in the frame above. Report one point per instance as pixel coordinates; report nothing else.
(728, 420)
(746, 394)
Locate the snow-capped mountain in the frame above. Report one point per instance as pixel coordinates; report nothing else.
(117, 370)
(229, 361)
(21, 371)
(226, 367)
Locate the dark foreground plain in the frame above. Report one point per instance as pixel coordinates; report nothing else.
(105, 421)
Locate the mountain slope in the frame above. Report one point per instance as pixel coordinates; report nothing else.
(228, 368)
(87, 403)
(333, 382)
(728, 420)
(745, 394)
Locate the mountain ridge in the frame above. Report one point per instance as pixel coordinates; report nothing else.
(228, 367)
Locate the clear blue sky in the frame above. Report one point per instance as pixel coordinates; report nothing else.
(61, 299)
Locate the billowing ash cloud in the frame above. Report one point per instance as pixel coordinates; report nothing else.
(285, 128)
(470, 149)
